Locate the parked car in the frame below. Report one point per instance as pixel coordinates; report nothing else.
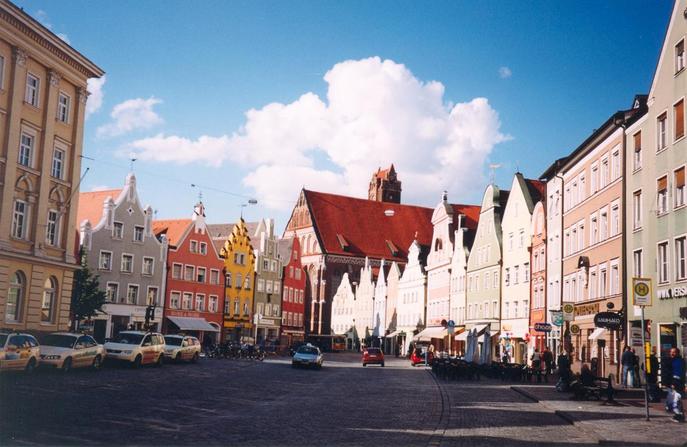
(64, 350)
(308, 355)
(373, 356)
(18, 351)
(182, 347)
(137, 348)
(418, 356)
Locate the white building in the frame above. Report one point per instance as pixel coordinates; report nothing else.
(412, 295)
(364, 302)
(343, 306)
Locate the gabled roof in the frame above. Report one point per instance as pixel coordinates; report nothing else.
(284, 247)
(173, 229)
(365, 226)
(471, 213)
(91, 205)
(536, 189)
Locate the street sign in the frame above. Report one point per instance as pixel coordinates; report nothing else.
(542, 327)
(557, 317)
(636, 336)
(568, 312)
(641, 291)
(574, 329)
(450, 327)
(608, 320)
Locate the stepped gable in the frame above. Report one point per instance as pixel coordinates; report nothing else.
(173, 229)
(91, 205)
(350, 226)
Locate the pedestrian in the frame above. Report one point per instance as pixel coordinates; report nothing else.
(547, 356)
(536, 364)
(677, 386)
(627, 361)
(564, 373)
(652, 376)
(637, 382)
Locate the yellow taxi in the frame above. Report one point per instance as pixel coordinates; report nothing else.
(182, 347)
(64, 350)
(137, 348)
(18, 351)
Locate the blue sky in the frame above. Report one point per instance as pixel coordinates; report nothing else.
(440, 89)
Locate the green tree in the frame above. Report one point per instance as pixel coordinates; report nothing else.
(87, 298)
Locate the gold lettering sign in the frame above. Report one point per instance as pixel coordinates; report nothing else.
(586, 309)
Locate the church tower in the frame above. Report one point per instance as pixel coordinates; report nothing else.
(385, 186)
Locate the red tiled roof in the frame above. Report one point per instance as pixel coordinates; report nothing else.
(173, 228)
(471, 213)
(365, 227)
(536, 189)
(91, 205)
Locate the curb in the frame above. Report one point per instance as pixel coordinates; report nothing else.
(524, 393)
(565, 416)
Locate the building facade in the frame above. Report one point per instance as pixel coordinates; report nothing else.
(343, 308)
(412, 296)
(538, 314)
(293, 292)
(656, 196)
(194, 291)
(117, 239)
(268, 279)
(42, 104)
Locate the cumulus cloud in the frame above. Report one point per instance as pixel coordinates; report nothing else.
(505, 72)
(43, 18)
(376, 112)
(130, 115)
(96, 93)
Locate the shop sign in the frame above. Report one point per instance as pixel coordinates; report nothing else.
(574, 329)
(641, 291)
(586, 309)
(670, 293)
(568, 311)
(636, 336)
(557, 317)
(608, 320)
(542, 327)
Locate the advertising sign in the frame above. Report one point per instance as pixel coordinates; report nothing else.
(568, 312)
(542, 327)
(641, 291)
(608, 320)
(557, 317)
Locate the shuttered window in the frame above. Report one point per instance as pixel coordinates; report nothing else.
(679, 113)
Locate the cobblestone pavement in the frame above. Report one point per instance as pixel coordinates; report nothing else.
(229, 402)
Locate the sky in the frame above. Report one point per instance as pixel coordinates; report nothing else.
(240, 100)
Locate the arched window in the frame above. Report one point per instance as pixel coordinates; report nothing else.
(15, 297)
(49, 300)
(438, 245)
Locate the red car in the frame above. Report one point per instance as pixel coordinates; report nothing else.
(418, 357)
(373, 356)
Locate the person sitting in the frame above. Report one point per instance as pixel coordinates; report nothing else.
(586, 380)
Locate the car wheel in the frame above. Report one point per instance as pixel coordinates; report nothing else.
(195, 358)
(67, 365)
(158, 364)
(137, 361)
(31, 366)
(364, 365)
(382, 364)
(97, 363)
(177, 358)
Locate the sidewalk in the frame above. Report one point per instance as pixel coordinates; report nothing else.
(620, 424)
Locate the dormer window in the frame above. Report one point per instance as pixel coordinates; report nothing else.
(343, 243)
(392, 248)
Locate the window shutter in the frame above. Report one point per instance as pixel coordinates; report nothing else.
(638, 141)
(680, 119)
(663, 183)
(680, 178)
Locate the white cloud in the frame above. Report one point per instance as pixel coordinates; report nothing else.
(95, 98)
(505, 72)
(130, 115)
(376, 112)
(43, 18)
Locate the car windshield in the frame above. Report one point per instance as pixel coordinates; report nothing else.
(60, 341)
(128, 338)
(176, 341)
(307, 350)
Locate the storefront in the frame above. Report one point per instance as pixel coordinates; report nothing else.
(595, 346)
(121, 317)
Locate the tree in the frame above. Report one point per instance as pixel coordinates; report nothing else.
(87, 298)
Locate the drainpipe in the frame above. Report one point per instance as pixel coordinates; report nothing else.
(567, 323)
(621, 122)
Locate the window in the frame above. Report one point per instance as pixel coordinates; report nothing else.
(661, 132)
(132, 294)
(516, 274)
(679, 119)
(615, 165)
(226, 306)
(593, 285)
(189, 272)
(105, 261)
(200, 303)
(238, 281)
(637, 210)
(236, 306)
(152, 296)
(268, 286)
(615, 219)
(52, 234)
(227, 279)
(495, 283)
(637, 159)
(261, 285)
(212, 304)
(662, 195)
(276, 287)
(200, 274)
(603, 225)
(63, 108)
(603, 280)
(57, 163)
(26, 150)
(265, 265)
(506, 278)
(604, 173)
(679, 182)
(595, 178)
(112, 292)
(214, 276)
(174, 299)
(118, 230)
(245, 309)
(203, 248)
(138, 233)
(663, 262)
(176, 271)
(527, 271)
(193, 247)
(148, 265)
(615, 279)
(680, 259)
(15, 297)
(2, 72)
(637, 263)
(521, 242)
(246, 284)
(32, 88)
(186, 302)
(49, 300)
(127, 265)
(680, 56)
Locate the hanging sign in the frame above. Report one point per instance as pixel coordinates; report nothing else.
(542, 327)
(557, 317)
(574, 329)
(608, 320)
(641, 291)
(568, 311)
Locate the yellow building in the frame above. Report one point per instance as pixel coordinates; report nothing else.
(42, 105)
(239, 275)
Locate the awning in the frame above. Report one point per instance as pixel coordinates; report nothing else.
(598, 332)
(431, 332)
(396, 333)
(192, 324)
(463, 336)
(480, 329)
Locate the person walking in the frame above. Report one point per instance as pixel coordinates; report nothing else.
(536, 364)
(547, 356)
(637, 382)
(652, 377)
(677, 386)
(627, 361)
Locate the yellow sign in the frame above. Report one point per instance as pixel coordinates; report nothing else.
(641, 291)
(574, 329)
(568, 311)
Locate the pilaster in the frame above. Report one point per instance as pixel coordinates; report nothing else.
(75, 172)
